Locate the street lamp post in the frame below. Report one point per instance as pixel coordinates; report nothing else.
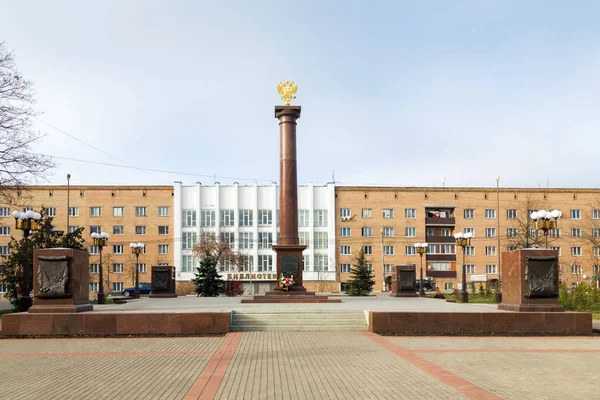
(546, 220)
(136, 248)
(463, 240)
(26, 222)
(100, 241)
(421, 249)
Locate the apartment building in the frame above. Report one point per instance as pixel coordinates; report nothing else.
(140, 214)
(386, 222)
(248, 217)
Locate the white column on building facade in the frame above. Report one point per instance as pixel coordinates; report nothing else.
(198, 208)
(311, 227)
(255, 221)
(177, 211)
(236, 210)
(331, 235)
(217, 209)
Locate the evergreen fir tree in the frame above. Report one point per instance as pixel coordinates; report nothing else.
(44, 237)
(207, 282)
(361, 283)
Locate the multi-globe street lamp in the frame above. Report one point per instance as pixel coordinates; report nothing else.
(137, 248)
(546, 220)
(26, 222)
(421, 249)
(463, 240)
(100, 241)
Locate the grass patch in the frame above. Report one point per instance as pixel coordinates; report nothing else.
(2, 312)
(475, 298)
(596, 316)
(108, 300)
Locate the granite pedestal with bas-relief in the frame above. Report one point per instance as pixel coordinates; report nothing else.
(61, 281)
(163, 281)
(530, 280)
(404, 281)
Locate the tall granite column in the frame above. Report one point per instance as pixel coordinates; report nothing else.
(288, 251)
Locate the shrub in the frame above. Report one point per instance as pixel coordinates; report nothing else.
(234, 288)
(184, 288)
(584, 297)
(481, 289)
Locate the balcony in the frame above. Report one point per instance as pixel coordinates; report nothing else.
(441, 257)
(440, 221)
(440, 239)
(441, 274)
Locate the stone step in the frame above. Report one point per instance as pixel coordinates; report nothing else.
(294, 320)
(257, 328)
(298, 321)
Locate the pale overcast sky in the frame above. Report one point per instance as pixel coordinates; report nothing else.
(394, 93)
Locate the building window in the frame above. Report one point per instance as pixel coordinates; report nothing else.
(555, 233)
(369, 267)
(303, 239)
(410, 251)
(595, 214)
(4, 250)
(490, 250)
(163, 249)
(118, 229)
(321, 240)
(246, 240)
(490, 232)
(95, 211)
(576, 269)
(490, 269)
(265, 217)
(367, 232)
(387, 268)
(410, 231)
(117, 286)
(345, 213)
(344, 231)
(51, 211)
(440, 266)
(73, 211)
(441, 249)
(118, 268)
(25, 209)
(305, 263)
(188, 240)
(140, 211)
(303, 218)
(321, 262)
(511, 214)
(117, 211)
(265, 263)
(265, 240)
(367, 213)
(575, 214)
(94, 249)
(388, 250)
(188, 218)
(576, 232)
(469, 269)
(511, 232)
(118, 249)
(246, 217)
(490, 214)
(388, 213)
(410, 213)
(467, 230)
(553, 248)
(95, 229)
(596, 251)
(596, 269)
(207, 218)
(448, 286)
(345, 250)
(346, 268)
(188, 263)
(4, 230)
(575, 251)
(93, 286)
(227, 237)
(368, 250)
(142, 268)
(533, 233)
(94, 268)
(227, 217)
(320, 217)
(5, 212)
(469, 213)
(595, 232)
(163, 211)
(163, 230)
(388, 231)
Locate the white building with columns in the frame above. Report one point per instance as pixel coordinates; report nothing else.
(248, 216)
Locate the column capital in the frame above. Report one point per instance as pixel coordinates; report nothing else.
(288, 111)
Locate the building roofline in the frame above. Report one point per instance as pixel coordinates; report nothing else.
(465, 189)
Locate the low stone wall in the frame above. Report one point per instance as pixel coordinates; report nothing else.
(109, 324)
(467, 323)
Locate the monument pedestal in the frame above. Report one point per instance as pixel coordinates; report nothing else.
(530, 281)
(163, 281)
(61, 281)
(403, 281)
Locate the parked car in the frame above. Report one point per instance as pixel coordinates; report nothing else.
(427, 285)
(144, 289)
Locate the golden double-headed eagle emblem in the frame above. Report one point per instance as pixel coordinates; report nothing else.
(287, 90)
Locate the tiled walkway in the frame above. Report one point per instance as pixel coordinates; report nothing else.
(300, 365)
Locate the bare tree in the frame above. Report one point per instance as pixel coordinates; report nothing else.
(525, 235)
(219, 250)
(18, 165)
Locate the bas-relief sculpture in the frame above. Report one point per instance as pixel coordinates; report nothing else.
(407, 278)
(541, 273)
(53, 276)
(160, 279)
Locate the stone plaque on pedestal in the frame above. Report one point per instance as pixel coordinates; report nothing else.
(61, 281)
(404, 280)
(530, 280)
(163, 281)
